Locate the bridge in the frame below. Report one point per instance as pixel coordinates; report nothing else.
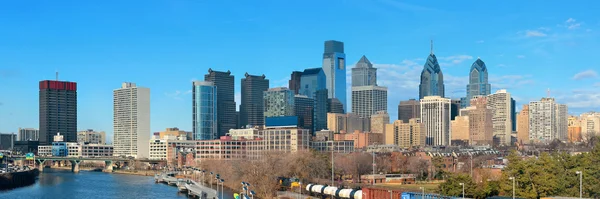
(75, 161)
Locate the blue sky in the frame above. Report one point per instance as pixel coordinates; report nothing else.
(528, 46)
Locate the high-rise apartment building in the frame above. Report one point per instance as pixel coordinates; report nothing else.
(460, 130)
(409, 109)
(334, 67)
(432, 78)
(590, 124)
(28, 134)
(364, 74)
(251, 108)
(294, 83)
(478, 81)
(131, 121)
(205, 110)
(313, 85)
(574, 131)
(91, 137)
(58, 110)
(279, 102)
(501, 105)
(304, 108)
(480, 122)
(367, 100)
(406, 134)
(378, 121)
(226, 114)
(523, 125)
(435, 116)
(349, 122)
(548, 120)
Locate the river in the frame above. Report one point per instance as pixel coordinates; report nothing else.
(54, 183)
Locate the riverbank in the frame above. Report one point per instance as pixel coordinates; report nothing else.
(137, 172)
(18, 179)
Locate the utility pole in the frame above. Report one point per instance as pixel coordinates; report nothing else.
(373, 182)
(332, 166)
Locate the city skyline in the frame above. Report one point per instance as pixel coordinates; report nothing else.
(546, 41)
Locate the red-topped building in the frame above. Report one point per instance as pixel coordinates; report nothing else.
(58, 110)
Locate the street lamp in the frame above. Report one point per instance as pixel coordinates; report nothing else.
(513, 189)
(217, 178)
(211, 174)
(423, 192)
(203, 182)
(252, 194)
(463, 189)
(221, 180)
(580, 183)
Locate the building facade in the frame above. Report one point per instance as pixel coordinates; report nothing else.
(523, 125)
(226, 114)
(367, 97)
(406, 134)
(480, 122)
(334, 67)
(460, 129)
(294, 83)
(131, 120)
(175, 132)
(361, 139)
(304, 108)
(28, 134)
(409, 109)
(478, 81)
(58, 110)
(590, 124)
(313, 85)
(91, 137)
(548, 120)
(251, 108)
(363, 73)
(435, 115)
(379, 121)
(279, 102)
(501, 105)
(348, 122)
(432, 78)
(7, 141)
(339, 146)
(205, 111)
(334, 106)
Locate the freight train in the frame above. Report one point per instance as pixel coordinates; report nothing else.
(325, 191)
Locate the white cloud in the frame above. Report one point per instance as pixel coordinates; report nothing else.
(570, 20)
(177, 95)
(479, 41)
(574, 26)
(581, 98)
(501, 65)
(534, 33)
(570, 24)
(520, 56)
(510, 81)
(585, 74)
(597, 84)
(455, 59)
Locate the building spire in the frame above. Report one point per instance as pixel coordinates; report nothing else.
(432, 46)
(56, 75)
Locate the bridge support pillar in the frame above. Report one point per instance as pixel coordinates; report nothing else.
(75, 165)
(108, 166)
(40, 164)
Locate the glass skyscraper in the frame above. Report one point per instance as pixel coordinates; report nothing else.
(334, 67)
(226, 113)
(363, 74)
(367, 97)
(279, 102)
(478, 81)
(204, 102)
(313, 85)
(432, 78)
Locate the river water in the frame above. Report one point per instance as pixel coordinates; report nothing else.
(86, 184)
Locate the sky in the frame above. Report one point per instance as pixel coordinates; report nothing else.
(529, 47)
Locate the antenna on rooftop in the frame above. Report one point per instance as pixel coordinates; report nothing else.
(548, 93)
(57, 75)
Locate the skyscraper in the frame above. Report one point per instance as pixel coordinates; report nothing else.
(478, 81)
(502, 117)
(432, 78)
(313, 85)
(367, 97)
(435, 116)
(294, 83)
(481, 129)
(304, 108)
(224, 82)
(363, 74)
(58, 111)
(334, 67)
(28, 134)
(523, 125)
(204, 110)
(455, 105)
(548, 120)
(409, 109)
(334, 106)
(251, 108)
(279, 102)
(131, 121)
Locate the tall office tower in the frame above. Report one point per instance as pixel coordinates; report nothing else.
(334, 106)
(204, 111)
(378, 121)
(224, 82)
(131, 121)
(480, 122)
(294, 83)
(405, 134)
(435, 115)
(547, 120)
(28, 134)
(279, 102)
(513, 113)
(523, 125)
(251, 108)
(455, 105)
(409, 109)
(313, 85)
(367, 97)
(334, 67)
(501, 105)
(363, 74)
(590, 125)
(58, 110)
(478, 81)
(304, 108)
(432, 78)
